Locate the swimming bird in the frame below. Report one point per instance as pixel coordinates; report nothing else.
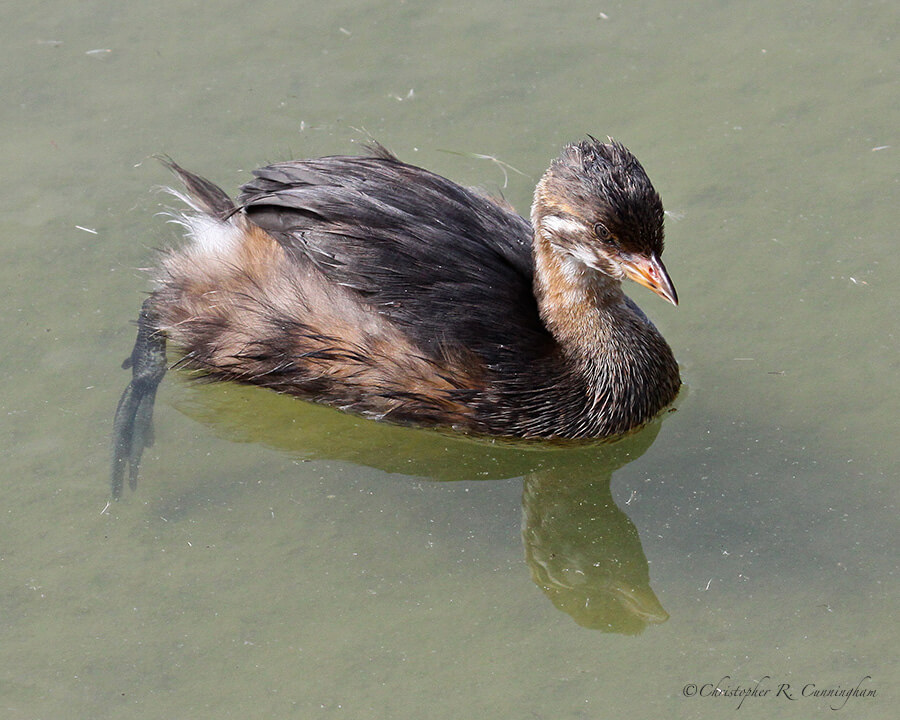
(380, 288)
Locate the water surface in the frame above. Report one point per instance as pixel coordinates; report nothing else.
(281, 560)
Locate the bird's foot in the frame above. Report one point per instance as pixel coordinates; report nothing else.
(133, 424)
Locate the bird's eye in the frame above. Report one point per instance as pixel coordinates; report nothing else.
(604, 235)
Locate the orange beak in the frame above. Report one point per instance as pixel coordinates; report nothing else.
(651, 273)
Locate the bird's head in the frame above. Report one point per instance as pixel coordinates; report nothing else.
(597, 209)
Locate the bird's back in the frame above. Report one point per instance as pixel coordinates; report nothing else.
(448, 266)
(367, 284)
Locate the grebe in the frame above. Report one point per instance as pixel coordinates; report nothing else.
(378, 287)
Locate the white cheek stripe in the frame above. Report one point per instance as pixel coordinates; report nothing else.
(563, 226)
(584, 255)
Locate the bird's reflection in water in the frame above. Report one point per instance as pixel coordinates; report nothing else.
(586, 555)
(584, 552)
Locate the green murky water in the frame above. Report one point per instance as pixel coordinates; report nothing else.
(281, 560)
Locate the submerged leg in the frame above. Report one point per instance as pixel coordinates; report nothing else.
(133, 424)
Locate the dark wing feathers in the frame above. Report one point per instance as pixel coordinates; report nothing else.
(450, 266)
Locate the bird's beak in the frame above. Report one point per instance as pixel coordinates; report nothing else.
(650, 272)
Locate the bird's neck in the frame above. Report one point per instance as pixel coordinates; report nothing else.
(580, 306)
(611, 349)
